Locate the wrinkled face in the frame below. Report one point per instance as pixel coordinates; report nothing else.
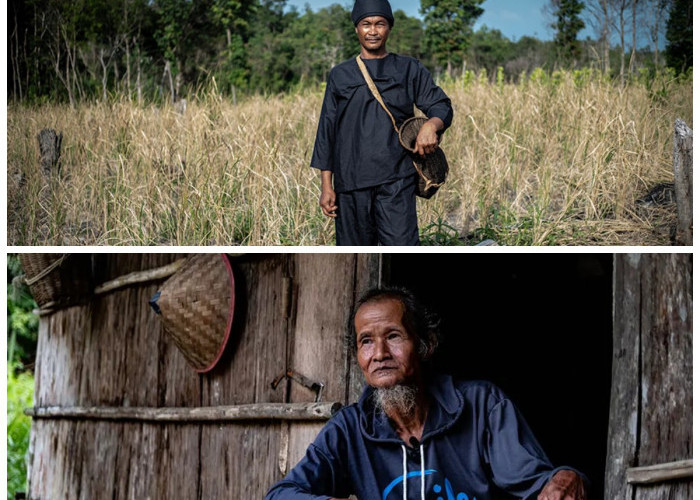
(373, 32)
(386, 352)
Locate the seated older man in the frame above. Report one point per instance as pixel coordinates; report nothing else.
(419, 434)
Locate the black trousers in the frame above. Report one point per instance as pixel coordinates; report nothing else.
(380, 215)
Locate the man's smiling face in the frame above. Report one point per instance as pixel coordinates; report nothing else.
(373, 32)
(386, 351)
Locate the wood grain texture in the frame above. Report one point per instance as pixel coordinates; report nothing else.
(661, 472)
(252, 411)
(107, 352)
(319, 351)
(258, 354)
(623, 423)
(666, 424)
(651, 398)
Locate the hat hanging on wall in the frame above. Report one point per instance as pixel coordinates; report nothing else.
(196, 306)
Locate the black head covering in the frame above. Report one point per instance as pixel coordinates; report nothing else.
(367, 8)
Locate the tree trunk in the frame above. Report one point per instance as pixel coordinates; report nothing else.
(606, 37)
(634, 36)
(139, 96)
(128, 68)
(14, 56)
(104, 74)
(117, 83)
(167, 73)
(622, 41)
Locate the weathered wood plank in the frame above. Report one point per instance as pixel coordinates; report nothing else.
(666, 423)
(53, 472)
(319, 350)
(177, 462)
(253, 411)
(102, 441)
(110, 351)
(138, 277)
(59, 362)
(135, 464)
(107, 266)
(651, 397)
(622, 429)
(661, 472)
(256, 355)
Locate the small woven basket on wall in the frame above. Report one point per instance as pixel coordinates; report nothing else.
(196, 306)
(57, 280)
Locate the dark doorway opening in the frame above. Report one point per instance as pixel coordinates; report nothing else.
(537, 325)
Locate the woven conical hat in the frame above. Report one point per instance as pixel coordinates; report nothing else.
(196, 306)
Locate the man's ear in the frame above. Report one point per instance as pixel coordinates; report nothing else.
(430, 346)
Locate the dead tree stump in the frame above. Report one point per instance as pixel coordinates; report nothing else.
(683, 174)
(50, 151)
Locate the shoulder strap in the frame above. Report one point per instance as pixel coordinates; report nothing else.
(373, 89)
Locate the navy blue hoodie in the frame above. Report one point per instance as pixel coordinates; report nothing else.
(474, 443)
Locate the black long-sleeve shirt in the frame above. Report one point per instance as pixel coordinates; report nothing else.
(355, 138)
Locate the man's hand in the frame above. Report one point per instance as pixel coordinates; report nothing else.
(427, 138)
(327, 199)
(564, 485)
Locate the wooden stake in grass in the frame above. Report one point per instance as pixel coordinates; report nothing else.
(50, 151)
(683, 173)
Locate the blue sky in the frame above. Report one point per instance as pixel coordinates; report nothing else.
(515, 18)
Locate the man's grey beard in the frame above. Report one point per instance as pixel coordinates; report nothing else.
(399, 399)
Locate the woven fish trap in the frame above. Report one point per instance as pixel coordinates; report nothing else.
(196, 307)
(433, 168)
(57, 280)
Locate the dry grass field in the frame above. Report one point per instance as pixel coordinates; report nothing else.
(553, 160)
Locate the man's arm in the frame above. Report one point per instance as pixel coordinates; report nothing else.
(438, 108)
(320, 474)
(327, 199)
(519, 465)
(322, 156)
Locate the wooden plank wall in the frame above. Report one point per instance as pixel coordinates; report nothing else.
(240, 458)
(651, 399)
(290, 314)
(110, 352)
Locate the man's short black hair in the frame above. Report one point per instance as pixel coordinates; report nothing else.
(418, 319)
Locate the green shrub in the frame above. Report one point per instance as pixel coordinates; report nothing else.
(20, 395)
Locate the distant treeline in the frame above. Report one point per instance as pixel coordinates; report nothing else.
(166, 49)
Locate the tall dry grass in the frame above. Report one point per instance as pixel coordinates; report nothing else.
(552, 160)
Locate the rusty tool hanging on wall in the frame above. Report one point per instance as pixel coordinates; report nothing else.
(317, 387)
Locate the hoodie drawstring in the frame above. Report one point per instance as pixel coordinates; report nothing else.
(422, 474)
(405, 484)
(405, 474)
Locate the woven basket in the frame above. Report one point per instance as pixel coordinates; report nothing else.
(196, 306)
(57, 280)
(433, 168)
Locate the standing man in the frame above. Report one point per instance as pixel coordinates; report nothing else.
(417, 434)
(368, 181)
